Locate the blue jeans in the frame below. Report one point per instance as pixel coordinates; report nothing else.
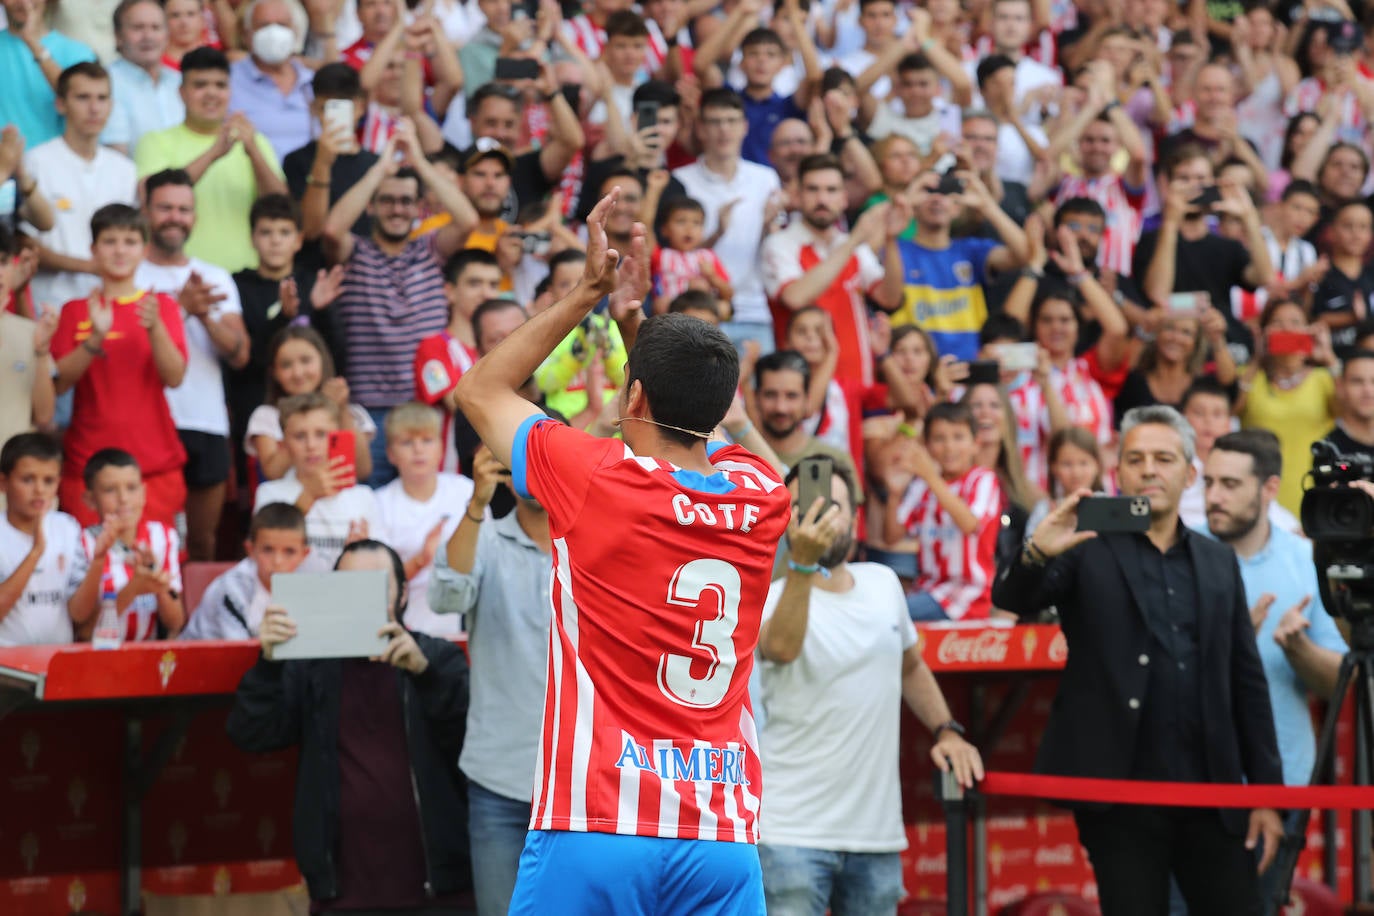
(496, 832)
(606, 874)
(924, 608)
(383, 472)
(760, 331)
(807, 882)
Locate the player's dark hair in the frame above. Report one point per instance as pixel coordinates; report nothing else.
(783, 361)
(689, 371)
(276, 517)
(694, 300)
(464, 258)
(118, 216)
(913, 62)
(1300, 186)
(87, 68)
(31, 445)
(991, 65)
(336, 81)
(495, 90)
(664, 93)
(491, 307)
(1078, 206)
(204, 59)
(167, 178)
(722, 97)
(107, 458)
(1052, 290)
(1206, 386)
(398, 569)
(679, 205)
(819, 162)
(1261, 445)
(274, 206)
(948, 412)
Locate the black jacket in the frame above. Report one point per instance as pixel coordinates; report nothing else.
(1096, 716)
(280, 704)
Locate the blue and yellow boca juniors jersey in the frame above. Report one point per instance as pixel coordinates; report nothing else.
(943, 293)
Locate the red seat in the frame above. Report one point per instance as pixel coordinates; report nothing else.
(196, 578)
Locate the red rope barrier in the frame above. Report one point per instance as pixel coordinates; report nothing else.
(1178, 794)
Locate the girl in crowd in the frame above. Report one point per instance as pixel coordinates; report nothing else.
(1288, 389)
(298, 363)
(1075, 463)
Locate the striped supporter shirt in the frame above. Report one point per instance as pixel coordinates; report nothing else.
(386, 307)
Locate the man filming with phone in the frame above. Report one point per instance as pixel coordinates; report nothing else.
(1163, 683)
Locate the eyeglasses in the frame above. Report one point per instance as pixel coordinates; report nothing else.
(400, 203)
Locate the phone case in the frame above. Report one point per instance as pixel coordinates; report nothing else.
(1286, 343)
(342, 444)
(1114, 513)
(813, 481)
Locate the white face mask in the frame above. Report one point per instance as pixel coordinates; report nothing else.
(273, 44)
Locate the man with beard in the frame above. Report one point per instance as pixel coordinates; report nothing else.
(839, 657)
(1299, 644)
(813, 262)
(486, 176)
(1164, 682)
(1354, 430)
(215, 334)
(393, 286)
(781, 380)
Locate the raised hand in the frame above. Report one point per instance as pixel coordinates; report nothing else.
(1291, 626)
(47, 326)
(150, 313)
(328, 286)
(101, 315)
(599, 271)
(147, 579)
(336, 389)
(402, 651)
(198, 297)
(290, 297)
(1068, 257)
(357, 531)
(487, 472)
(431, 544)
(810, 534)
(1058, 533)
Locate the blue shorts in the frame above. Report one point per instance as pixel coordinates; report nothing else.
(603, 873)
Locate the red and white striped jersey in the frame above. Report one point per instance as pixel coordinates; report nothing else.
(1289, 261)
(1032, 430)
(1083, 398)
(590, 39)
(956, 569)
(440, 362)
(660, 576)
(1307, 95)
(139, 620)
(673, 270)
(1125, 213)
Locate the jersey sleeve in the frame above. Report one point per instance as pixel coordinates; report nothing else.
(64, 337)
(434, 373)
(171, 319)
(911, 501)
(779, 264)
(870, 268)
(717, 265)
(554, 464)
(985, 499)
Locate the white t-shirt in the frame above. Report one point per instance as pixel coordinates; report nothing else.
(198, 402)
(326, 524)
(856, 62)
(404, 523)
(738, 249)
(1014, 159)
(265, 420)
(923, 131)
(77, 187)
(829, 739)
(40, 617)
(1030, 75)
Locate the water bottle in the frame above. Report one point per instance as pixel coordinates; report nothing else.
(108, 633)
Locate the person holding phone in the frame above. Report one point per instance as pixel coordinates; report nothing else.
(1289, 390)
(1164, 682)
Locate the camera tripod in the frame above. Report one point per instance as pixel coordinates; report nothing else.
(1357, 667)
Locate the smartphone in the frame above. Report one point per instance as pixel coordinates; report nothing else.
(1344, 37)
(1018, 357)
(1114, 513)
(950, 184)
(537, 243)
(340, 117)
(572, 93)
(516, 68)
(342, 445)
(1287, 343)
(646, 115)
(813, 482)
(984, 372)
(1187, 303)
(1210, 195)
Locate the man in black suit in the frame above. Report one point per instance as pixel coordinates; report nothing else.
(1163, 682)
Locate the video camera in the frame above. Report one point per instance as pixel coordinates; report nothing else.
(1339, 519)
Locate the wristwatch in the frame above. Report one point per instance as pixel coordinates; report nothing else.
(952, 726)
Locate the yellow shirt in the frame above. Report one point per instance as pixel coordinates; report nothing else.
(1298, 416)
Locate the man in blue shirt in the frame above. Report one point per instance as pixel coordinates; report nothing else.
(31, 59)
(1298, 641)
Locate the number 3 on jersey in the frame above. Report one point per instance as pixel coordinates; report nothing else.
(714, 636)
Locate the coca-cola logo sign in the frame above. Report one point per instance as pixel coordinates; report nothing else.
(987, 646)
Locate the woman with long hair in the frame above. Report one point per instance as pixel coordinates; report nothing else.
(1174, 359)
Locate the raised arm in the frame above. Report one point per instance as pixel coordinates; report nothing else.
(488, 393)
(337, 237)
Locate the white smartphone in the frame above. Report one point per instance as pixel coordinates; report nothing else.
(339, 117)
(1018, 357)
(1188, 303)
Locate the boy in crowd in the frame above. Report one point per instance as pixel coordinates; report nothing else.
(143, 560)
(1343, 295)
(233, 605)
(698, 304)
(337, 510)
(683, 261)
(45, 583)
(471, 277)
(417, 511)
(953, 508)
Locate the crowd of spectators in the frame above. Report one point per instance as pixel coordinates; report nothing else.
(247, 250)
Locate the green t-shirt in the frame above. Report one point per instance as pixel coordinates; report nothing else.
(224, 194)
